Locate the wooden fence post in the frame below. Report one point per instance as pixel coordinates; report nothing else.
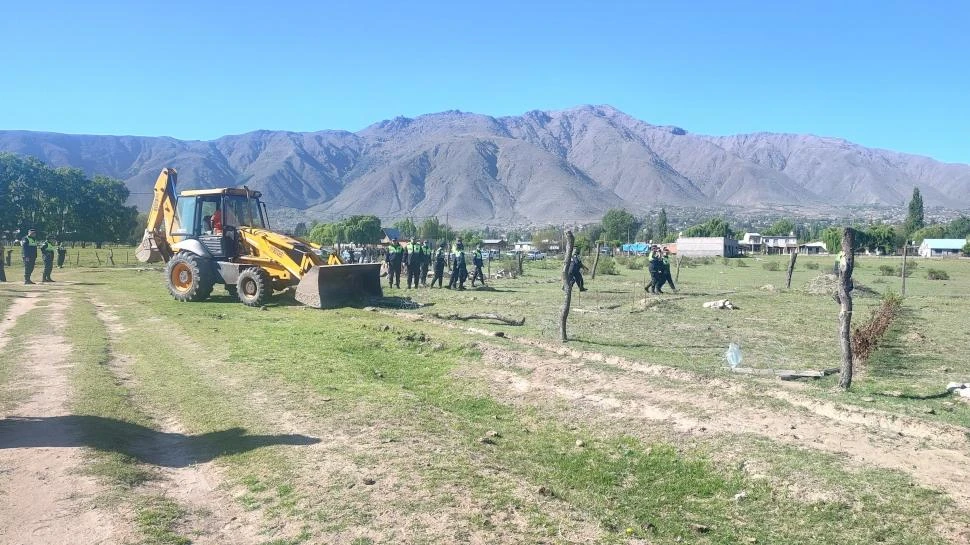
(680, 258)
(791, 267)
(905, 244)
(846, 263)
(596, 261)
(566, 286)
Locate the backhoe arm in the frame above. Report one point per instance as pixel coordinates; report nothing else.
(156, 244)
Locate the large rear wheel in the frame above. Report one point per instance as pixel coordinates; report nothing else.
(254, 287)
(189, 277)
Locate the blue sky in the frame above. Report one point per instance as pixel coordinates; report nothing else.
(886, 74)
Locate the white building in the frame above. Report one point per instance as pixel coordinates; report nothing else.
(708, 247)
(780, 244)
(941, 247)
(751, 243)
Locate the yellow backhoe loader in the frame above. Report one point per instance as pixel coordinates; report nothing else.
(222, 236)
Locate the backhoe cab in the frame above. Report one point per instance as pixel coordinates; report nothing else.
(222, 236)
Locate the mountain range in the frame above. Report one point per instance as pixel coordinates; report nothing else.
(539, 167)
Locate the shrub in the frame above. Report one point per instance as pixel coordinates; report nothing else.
(741, 263)
(888, 270)
(866, 337)
(937, 274)
(606, 266)
(635, 264)
(812, 265)
(771, 266)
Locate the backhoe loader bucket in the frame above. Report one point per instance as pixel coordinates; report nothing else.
(329, 286)
(147, 251)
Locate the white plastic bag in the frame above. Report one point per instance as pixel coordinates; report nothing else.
(733, 355)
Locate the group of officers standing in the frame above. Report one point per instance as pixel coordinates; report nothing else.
(29, 246)
(417, 257)
(659, 267)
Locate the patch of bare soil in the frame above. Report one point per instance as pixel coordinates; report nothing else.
(934, 455)
(20, 306)
(45, 499)
(213, 515)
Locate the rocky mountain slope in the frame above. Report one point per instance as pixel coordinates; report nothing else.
(569, 165)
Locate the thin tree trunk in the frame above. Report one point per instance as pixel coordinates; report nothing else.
(846, 263)
(596, 261)
(680, 259)
(791, 267)
(566, 286)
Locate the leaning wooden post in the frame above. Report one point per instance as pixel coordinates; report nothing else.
(567, 286)
(791, 267)
(680, 258)
(846, 263)
(596, 261)
(905, 244)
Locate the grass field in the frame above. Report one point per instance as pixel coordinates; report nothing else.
(389, 425)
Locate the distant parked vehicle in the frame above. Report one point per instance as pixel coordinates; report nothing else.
(536, 255)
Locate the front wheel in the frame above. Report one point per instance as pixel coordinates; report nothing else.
(254, 287)
(189, 277)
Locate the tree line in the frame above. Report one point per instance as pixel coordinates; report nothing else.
(62, 202)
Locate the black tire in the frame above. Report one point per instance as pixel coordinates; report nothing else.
(189, 277)
(254, 287)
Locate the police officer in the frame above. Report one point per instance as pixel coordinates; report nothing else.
(47, 250)
(576, 269)
(440, 256)
(479, 262)
(29, 248)
(667, 278)
(395, 255)
(459, 269)
(415, 261)
(61, 254)
(655, 267)
(426, 250)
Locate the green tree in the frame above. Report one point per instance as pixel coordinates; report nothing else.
(619, 224)
(407, 228)
(715, 227)
(433, 229)
(914, 219)
(958, 228)
(930, 231)
(881, 238)
(63, 202)
(832, 237)
(363, 229)
(780, 228)
(300, 230)
(966, 249)
(662, 228)
(542, 238)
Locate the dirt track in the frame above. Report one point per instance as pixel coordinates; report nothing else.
(46, 499)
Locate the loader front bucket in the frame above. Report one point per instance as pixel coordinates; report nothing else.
(147, 251)
(330, 286)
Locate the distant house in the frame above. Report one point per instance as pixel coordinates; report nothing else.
(941, 247)
(391, 233)
(522, 246)
(751, 243)
(780, 244)
(708, 247)
(498, 244)
(813, 248)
